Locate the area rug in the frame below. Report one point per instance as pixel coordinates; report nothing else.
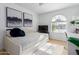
(50, 49)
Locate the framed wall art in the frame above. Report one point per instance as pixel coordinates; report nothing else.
(27, 20)
(13, 17)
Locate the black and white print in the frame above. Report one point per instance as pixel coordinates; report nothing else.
(27, 19)
(13, 17)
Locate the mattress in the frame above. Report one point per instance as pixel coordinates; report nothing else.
(29, 40)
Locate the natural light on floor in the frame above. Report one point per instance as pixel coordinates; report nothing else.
(49, 49)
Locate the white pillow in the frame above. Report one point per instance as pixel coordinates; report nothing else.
(27, 30)
(8, 33)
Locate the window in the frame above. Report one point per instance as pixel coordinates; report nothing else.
(59, 23)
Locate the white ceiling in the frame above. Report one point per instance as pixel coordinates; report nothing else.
(45, 7)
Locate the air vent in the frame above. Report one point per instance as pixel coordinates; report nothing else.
(40, 4)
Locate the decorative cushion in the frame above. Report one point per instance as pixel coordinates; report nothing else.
(16, 32)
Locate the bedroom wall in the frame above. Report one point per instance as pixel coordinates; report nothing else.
(3, 19)
(2, 25)
(35, 16)
(46, 18)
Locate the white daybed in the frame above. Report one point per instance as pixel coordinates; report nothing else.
(25, 45)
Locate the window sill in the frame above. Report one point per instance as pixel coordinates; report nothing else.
(59, 31)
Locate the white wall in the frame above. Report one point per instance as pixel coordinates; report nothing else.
(35, 16)
(3, 19)
(45, 19)
(2, 25)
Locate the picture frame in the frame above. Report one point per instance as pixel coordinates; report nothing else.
(27, 20)
(14, 18)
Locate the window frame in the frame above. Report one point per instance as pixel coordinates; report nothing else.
(62, 21)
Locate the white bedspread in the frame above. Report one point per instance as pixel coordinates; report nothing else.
(28, 40)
